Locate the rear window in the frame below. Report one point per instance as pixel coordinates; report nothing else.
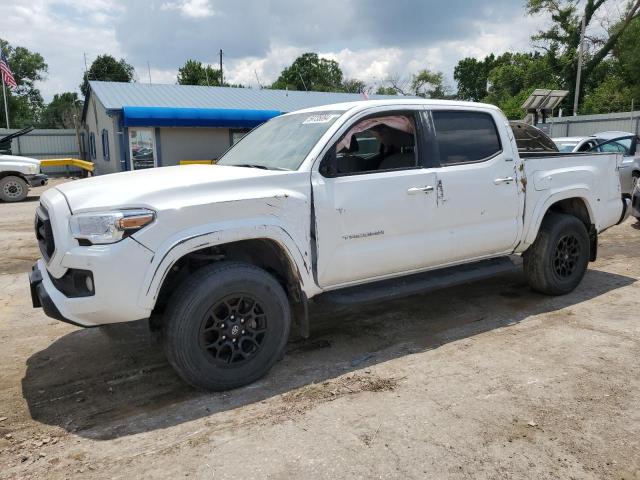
(464, 137)
(566, 147)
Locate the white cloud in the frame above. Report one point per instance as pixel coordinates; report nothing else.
(56, 32)
(190, 8)
(248, 70)
(262, 37)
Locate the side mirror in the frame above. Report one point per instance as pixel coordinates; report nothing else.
(329, 164)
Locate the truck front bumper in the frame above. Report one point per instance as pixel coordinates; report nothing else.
(117, 274)
(41, 299)
(37, 180)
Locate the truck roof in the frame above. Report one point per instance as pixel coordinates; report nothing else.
(361, 105)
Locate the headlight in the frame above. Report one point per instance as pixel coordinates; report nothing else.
(34, 169)
(109, 227)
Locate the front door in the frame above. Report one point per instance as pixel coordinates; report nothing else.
(373, 215)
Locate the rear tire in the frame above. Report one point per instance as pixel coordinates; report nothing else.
(556, 262)
(226, 326)
(13, 189)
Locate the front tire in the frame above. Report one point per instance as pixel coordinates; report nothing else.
(557, 260)
(226, 326)
(13, 189)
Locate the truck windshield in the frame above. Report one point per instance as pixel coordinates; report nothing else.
(282, 143)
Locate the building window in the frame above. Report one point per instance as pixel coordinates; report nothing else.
(92, 146)
(105, 144)
(236, 134)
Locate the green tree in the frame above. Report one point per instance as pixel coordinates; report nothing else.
(425, 83)
(195, 73)
(25, 102)
(627, 57)
(472, 77)
(107, 68)
(353, 86)
(562, 39)
(429, 84)
(612, 95)
(310, 72)
(514, 77)
(60, 112)
(386, 90)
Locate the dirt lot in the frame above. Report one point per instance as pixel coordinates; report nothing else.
(486, 380)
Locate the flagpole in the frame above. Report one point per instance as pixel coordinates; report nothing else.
(4, 95)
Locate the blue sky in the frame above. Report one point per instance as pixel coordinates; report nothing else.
(372, 40)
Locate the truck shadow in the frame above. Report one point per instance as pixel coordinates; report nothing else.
(102, 388)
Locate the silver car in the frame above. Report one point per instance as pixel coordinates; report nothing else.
(622, 142)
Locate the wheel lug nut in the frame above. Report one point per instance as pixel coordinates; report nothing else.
(242, 331)
(222, 326)
(234, 340)
(224, 337)
(242, 320)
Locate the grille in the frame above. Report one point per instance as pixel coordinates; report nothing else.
(44, 234)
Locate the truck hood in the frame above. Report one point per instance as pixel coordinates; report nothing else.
(167, 187)
(16, 160)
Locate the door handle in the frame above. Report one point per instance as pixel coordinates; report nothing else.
(498, 181)
(417, 190)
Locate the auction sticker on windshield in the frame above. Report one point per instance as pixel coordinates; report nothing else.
(320, 118)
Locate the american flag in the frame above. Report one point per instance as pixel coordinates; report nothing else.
(7, 76)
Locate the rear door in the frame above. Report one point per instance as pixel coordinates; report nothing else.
(479, 196)
(373, 214)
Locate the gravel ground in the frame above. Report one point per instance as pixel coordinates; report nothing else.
(487, 380)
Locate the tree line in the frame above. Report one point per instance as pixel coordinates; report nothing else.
(610, 72)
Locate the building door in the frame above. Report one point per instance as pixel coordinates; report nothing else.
(142, 148)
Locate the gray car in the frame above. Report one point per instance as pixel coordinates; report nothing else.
(610, 142)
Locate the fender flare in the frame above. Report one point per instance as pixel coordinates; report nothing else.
(164, 260)
(541, 210)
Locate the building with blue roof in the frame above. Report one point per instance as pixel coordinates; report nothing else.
(129, 126)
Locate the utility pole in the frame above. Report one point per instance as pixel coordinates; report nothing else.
(579, 72)
(221, 77)
(149, 70)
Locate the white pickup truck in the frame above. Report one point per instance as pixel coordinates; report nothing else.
(343, 203)
(17, 174)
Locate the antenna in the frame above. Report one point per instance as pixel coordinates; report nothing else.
(302, 79)
(221, 77)
(260, 84)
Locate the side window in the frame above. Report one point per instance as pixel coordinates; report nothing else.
(105, 144)
(92, 146)
(464, 137)
(386, 142)
(616, 146)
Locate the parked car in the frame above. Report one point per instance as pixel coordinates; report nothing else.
(17, 173)
(224, 259)
(621, 142)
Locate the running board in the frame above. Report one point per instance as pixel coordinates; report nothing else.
(421, 282)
